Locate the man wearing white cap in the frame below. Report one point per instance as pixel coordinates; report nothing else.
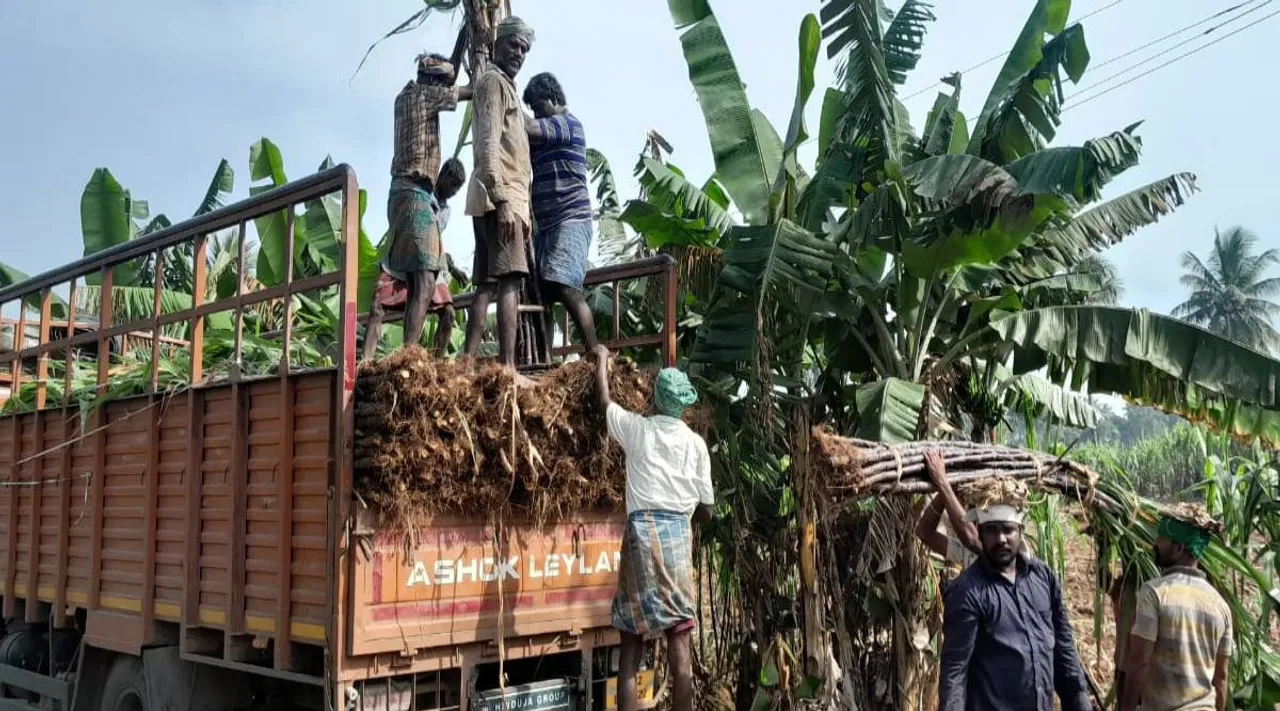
(961, 546)
(1007, 643)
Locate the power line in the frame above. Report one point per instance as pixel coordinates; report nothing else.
(1002, 55)
(1176, 59)
(1180, 30)
(1157, 55)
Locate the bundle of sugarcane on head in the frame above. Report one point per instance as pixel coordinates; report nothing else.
(853, 468)
(1179, 646)
(1173, 646)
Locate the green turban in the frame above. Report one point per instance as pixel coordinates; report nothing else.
(515, 26)
(1193, 538)
(673, 392)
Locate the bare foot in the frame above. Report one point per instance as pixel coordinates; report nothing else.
(524, 382)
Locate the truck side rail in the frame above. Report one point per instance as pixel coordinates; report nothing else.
(167, 484)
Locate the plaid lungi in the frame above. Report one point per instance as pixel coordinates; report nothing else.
(415, 237)
(655, 580)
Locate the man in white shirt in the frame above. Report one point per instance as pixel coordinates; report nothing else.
(668, 482)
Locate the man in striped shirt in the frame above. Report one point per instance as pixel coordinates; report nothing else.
(561, 201)
(1181, 640)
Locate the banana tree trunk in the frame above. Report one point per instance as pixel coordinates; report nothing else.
(816, 653)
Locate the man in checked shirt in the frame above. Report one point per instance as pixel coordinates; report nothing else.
(416, 255)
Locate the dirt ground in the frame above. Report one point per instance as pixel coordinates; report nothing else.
(1080, 588)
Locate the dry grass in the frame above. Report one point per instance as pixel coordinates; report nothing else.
(1193, 513)
(996, 491)
(444, 437)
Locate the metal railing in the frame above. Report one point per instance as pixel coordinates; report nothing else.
(196, 233)
(663, 267)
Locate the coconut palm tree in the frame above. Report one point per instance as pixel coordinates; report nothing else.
(1230, 295)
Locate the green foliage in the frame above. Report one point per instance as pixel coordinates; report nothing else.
(746, 158)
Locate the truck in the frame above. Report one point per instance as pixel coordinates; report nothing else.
(202, 545)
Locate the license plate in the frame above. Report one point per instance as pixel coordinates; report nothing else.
(539, 696)
(644, 687)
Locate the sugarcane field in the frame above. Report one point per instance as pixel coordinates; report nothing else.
(698, 355)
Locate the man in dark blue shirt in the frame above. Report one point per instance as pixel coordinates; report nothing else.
(1007, 643)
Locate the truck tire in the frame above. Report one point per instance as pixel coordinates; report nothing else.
(126, 688)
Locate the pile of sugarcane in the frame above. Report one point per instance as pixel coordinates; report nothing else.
(855, 469)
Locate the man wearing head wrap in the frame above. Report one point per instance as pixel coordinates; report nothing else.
(1181, 642)
(392, 292)
(668, 481)
(498, 196)
(1007, 643)
(415, 257)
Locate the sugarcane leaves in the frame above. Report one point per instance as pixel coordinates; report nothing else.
(889, 410)
(412, 23)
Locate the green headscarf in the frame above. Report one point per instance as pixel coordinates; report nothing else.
(672, 392)
(1194, 539)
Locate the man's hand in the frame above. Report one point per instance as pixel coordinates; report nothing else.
(510, 227)
(936, 468)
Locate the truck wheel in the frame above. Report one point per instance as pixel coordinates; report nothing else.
(126, 689)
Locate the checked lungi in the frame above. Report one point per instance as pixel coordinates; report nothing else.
(656, 592)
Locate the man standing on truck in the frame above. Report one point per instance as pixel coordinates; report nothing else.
(498, 196)
(668, 481)
(561, 201)
(415, 254)
(392, 291)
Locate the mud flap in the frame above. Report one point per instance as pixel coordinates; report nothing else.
(177, 685)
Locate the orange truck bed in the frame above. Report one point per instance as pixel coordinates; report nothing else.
(217, 522)
(108, 514)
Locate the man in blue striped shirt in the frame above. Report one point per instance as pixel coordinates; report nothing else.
(561, 201)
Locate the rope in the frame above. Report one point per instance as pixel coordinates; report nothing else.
(169, 394)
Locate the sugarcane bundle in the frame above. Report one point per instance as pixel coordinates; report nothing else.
(851, 468)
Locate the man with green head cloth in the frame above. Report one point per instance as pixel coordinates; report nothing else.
(1181, 639)
(668, 481)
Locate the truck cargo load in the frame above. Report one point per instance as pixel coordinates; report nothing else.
(194, 534)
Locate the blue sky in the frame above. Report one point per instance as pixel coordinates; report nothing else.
(160, 91)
